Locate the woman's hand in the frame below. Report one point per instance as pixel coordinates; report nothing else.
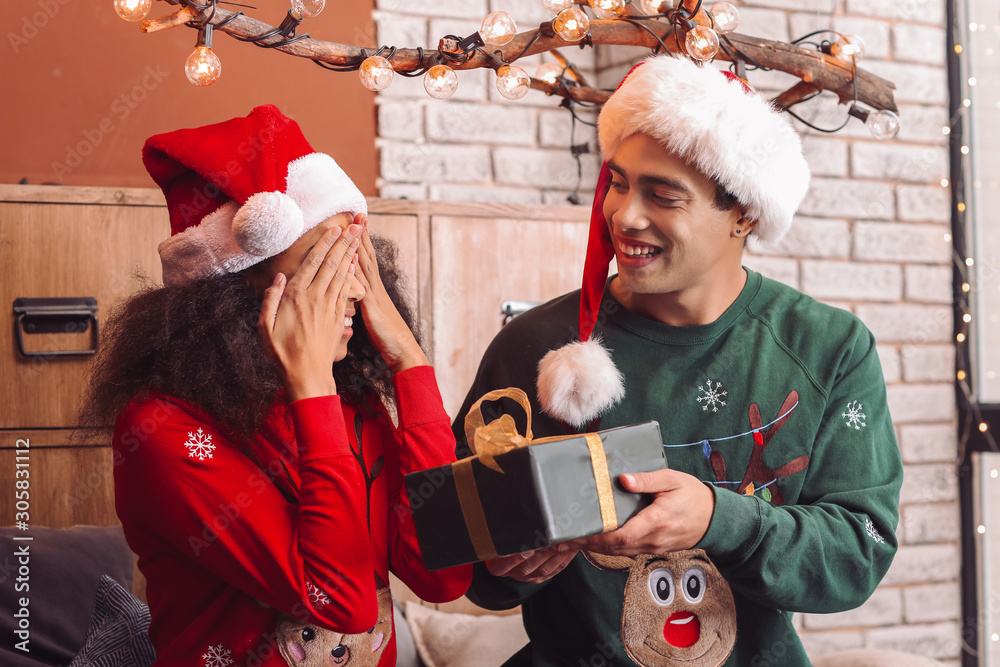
(386, 327)
(302, 318)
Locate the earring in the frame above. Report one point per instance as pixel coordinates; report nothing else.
(739, 231)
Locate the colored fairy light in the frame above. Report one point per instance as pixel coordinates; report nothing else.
(725, 17)
(308, 9)
(549, 72)
(498, 28)
(513, 82)
(701, 43)
(376, 73)
(133, 10)
(440, 82)
(607, 9)
(571, 24)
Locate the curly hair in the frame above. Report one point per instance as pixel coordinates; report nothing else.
(199, 342)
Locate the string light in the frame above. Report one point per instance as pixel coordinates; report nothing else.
(944, 182)
(983, 427)
(981, 529)
(966, 102)
(883, 124)
(498, 28)
(440, 82)
(967, 318)
(549, 72)
(513, 82)
(961, 207)
(376, 73)
(961, 375)
(994, 473)
(966, 287)
(947, 238)
(571, 24)
(725, 17)
(945, 130)
(701, 43)
(960, 338)
(133, 10)
(607, 9)
(203, 67)
(958, 48)
(308, 9)
(965, 150)
(849, 48)
(972, 80)
(969, 261)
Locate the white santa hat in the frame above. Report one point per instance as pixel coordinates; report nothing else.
(241, 191)
(716, 123)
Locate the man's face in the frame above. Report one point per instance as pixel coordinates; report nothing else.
(667, 234)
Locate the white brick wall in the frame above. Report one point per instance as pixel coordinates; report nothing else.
(869, 237)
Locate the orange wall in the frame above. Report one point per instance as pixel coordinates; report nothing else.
(81, 89)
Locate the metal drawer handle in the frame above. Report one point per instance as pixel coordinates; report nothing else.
(55, 315)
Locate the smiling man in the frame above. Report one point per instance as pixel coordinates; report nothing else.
(783, 478)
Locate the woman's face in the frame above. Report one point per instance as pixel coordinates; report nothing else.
(288, 262)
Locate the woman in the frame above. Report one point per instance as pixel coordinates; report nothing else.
(258, 475)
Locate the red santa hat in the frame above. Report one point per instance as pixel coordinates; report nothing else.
(241, 191)
(720, 126)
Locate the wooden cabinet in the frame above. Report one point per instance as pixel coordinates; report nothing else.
(461, 260)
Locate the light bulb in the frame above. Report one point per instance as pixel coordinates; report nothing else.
(133, 10)
(702, 43)
(376, 73)
(553, 7)
(549, 72)
(725, 16)
(650, 7)
(571, 24)
(203, 67)
(849, 48)
(513, 82)
(440, 82)
(883, 124)
(607, 9)
(498, 28)
(307, 9)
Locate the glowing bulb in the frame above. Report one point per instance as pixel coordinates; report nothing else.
(440, 82)
(983, 427)
(725, 16)
(960, 338)
(981, 529)
(966, 287)
(961, 375)
(553, 7)
(650, 7)
(376, 73)
(607, 9)
(972, 80)
(203, 67)
(961, 207)
(498, 28)
(995, 637)
(965, 150)
(966, 102)
(966, 318)
(947, 238)
(513, 82)
(702, 43)
(849, 48)
(958, 48)
(944, 182)
(945, 130)
(133, 10)
(969, 261)
(994, 473)
(307, 9)
(883, 124)
(571, 24)
(549, 72)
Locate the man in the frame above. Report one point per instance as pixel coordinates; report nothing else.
(782, 463)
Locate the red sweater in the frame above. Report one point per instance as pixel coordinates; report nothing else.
(249, 558)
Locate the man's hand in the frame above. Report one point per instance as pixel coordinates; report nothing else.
(534, 566)
(676, 520)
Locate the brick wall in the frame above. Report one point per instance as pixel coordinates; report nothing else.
(870, 238)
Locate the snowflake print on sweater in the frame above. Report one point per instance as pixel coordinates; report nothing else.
(872, 532)
(216, 656)
(712, 396)
(316, 596)
(854, 416)
(200, 445)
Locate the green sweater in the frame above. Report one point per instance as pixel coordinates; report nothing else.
(816, 536)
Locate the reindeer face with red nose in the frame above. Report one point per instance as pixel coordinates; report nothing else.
(678, 609)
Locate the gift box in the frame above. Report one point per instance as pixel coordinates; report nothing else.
(517, 494)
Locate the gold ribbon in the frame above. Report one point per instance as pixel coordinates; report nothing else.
(487, 441)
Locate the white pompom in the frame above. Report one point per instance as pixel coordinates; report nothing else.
(268, 223)
(578, 382)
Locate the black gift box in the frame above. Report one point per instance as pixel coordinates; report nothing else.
(547, 493)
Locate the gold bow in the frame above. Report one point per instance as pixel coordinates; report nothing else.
(499, 436)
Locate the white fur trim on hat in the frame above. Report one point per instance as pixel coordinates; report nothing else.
(579, 381)
(734, 137)
(321, 189)
(268, 223)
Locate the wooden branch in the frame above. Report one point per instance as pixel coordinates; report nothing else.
(797, 93)
(180, 17)
(822, 71)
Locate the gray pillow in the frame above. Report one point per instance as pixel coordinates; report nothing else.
(118, 632)
(64, 568)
